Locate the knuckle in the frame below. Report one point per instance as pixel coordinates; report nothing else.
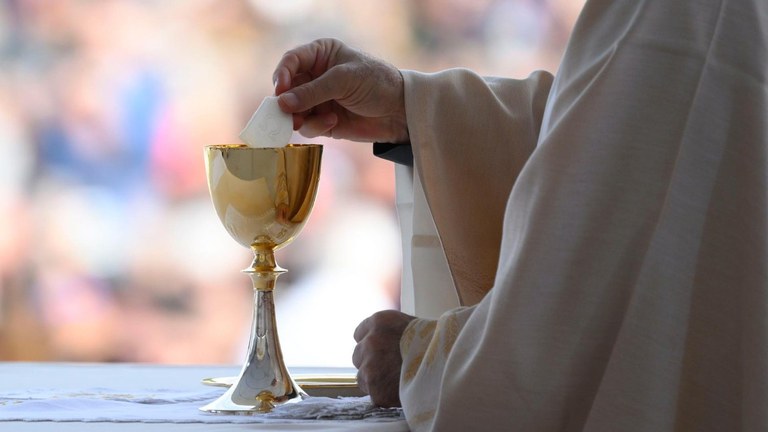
(378, 317)
(382, 318)
(357, 356)
(290, 60)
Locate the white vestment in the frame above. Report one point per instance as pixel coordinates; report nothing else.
(617, 215)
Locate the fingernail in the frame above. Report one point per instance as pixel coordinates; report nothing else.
(290, 100)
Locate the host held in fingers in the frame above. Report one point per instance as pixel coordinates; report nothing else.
(603, 230)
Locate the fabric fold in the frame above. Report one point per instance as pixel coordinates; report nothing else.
(466, 167)
(630, 288)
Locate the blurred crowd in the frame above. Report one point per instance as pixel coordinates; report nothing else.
(109, 247)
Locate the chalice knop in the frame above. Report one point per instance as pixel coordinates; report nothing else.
(263, 196)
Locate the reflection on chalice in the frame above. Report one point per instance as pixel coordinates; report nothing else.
(263, 196)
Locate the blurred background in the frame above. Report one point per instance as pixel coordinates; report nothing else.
(110, 249)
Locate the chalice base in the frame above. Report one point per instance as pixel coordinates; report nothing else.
(264, 402)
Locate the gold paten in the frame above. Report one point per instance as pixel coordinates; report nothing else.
(328, 385)
(263, 197)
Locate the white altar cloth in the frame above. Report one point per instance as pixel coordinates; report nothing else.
(111, 397)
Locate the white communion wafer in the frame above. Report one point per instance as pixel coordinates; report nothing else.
(269, 126)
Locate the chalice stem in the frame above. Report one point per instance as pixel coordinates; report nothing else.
(264, 381)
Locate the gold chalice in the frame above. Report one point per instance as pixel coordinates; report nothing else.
(263, 196)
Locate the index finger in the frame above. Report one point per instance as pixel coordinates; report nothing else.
(311, 58)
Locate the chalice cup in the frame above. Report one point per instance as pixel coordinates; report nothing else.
(263, 197)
